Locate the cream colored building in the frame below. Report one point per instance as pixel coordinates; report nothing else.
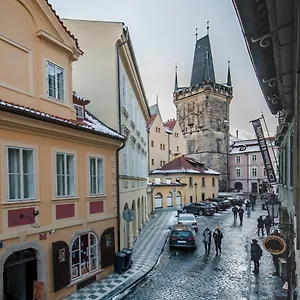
(166, 141)
(183, 181)
(108, 75)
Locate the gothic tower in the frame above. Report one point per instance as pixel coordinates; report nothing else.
(203, 112)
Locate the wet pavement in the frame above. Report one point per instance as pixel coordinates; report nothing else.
(195, 275)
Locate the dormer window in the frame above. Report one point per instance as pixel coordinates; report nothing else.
(79, 111)
(55, 82)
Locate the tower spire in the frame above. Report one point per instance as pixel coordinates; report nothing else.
(207, 27)
(156, 99)
(196, 34)
(228, 74)
(176, 81)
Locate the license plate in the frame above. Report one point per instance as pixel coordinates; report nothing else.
(181, 242)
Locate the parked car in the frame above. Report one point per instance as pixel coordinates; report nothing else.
(236, 200)
(214, 204)
(182, 236)
(198, 208)
(223, 204)
(189, 220)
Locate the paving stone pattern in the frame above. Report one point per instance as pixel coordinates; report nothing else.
(187, 275)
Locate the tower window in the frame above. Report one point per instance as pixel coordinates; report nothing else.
(219, 144)
(191, 146)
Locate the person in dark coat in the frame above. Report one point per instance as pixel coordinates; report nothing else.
(256, 254)
(268, 224)
(218, 236)
(207, 240)
(235, 212)
(260, 226)
(241, 214)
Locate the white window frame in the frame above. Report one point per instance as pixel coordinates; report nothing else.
(21, 174)
(100, 187)
(90, 249)
(65, 176)
(124, 90)
(253, 170)
(238, 172)
(56, 91)
(238, 159)
(79, 111)
(254, 157)
(125, 162)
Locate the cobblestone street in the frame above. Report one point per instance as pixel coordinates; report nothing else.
(188, 275)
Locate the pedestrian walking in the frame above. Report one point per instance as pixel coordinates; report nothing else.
(260, 226)
(256, 254)
(254, 200)
(268, 224)
(248, 206)
(241, 214)
(235, 212)
(207, 240)
(218, 236)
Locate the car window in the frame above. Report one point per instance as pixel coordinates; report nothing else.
(181, 233)
(186, 218)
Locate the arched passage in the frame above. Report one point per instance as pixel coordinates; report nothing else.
(134, 227)
(126, 230)
(238, 186)
(169, 200)
(178, 198)
(139, 214)
(158, 200)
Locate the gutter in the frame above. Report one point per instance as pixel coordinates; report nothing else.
(120, 130)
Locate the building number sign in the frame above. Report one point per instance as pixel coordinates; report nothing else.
(61, 255)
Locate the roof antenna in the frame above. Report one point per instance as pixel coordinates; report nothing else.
(196, 34)
(207, 27)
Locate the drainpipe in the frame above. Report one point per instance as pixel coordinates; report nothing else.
(169, 147)
(120, 130)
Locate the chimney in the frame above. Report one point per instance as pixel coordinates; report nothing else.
(237, 134)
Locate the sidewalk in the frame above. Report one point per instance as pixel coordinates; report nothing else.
(146, 252)
(264, 286)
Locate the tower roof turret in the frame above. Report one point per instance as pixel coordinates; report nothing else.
(229, 75)
(176, 80)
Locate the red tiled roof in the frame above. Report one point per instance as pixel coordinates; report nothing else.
(90, 123)
(150, 121)
(64, 26)
(184, 164)
(80, 100)
(170, 124)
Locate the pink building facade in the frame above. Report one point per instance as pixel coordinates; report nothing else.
(246, 167)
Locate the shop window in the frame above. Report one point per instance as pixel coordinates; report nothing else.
(85, 255)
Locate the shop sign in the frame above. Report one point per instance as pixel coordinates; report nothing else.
(38, 290)
(274, 244)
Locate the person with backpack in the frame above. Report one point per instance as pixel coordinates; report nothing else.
(235, 212)
(260, 226)
(218, 236)
(241, 214)
(256, 254)
(207, 240)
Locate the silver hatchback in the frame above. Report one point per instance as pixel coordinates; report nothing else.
(189, 220)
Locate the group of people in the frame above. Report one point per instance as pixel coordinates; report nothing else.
(264, 223)
(217, 236)
(238, 211)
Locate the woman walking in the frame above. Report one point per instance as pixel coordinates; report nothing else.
(207, 240)
(218, 236)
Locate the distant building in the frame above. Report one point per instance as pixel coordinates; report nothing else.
(166, 140)
(203, 112)
(246, 167)
(181, 181)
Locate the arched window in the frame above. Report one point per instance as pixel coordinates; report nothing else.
(84, 255)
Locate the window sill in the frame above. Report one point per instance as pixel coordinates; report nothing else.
(64, 199)
(60, 102)
(96, 197)
(20, 203)
(125, 112)
(84, 277)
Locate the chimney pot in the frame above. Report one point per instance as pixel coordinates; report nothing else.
(237, 134)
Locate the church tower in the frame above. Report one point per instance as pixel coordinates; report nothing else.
(203, 112)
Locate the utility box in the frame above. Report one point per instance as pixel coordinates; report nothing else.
(128, 261)
(120, 262)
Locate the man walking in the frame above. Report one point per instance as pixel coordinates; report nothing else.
(207, 240)
(241, 214)
(268, 224)
(235, 212)
(260, 226)
(218, 236)
(256, 254)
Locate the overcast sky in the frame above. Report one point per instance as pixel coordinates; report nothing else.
(163, 33)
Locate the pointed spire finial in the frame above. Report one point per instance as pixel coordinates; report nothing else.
(176, 81)
(207, 27)
(196, 34)
(228, 74)
(157, 99)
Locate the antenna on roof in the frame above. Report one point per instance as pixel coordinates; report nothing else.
(207, 27)
(196, 34)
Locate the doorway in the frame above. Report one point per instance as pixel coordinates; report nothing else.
(20, 271)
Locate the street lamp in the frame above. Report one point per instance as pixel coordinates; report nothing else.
(196, 185)
(273, 208)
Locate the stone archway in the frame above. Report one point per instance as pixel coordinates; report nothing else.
(158, 200)
(138, 215)
(127, 231)
(143, 211)
(169, 199)
(134, 227)
(178, 198)
(40, 256)
(238, 186)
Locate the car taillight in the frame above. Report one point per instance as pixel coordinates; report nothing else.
(172, 238)
(191, 238)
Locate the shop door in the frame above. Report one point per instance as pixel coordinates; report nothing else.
(107, 245)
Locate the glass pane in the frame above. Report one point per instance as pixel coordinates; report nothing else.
(92, 166)
(75, 245)
(13, 160)
(70, 186)
(100, 185)
(28, 167)
(93, 264)
(51, 80)
(14, 186)
(28, 182)
(93, 251)
(92, 239)
(60, 83)
(75, 271)
(60, 183)
(60, 166)
(70, 165)
(100, 166)
(93, 185)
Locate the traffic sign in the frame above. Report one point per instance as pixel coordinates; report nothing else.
(128, 215)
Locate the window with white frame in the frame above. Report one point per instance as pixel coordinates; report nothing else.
(85, 255)
(238, 159)
(124, 90)
(238, 172)
(125, 151)
(254, 157)
(254, 172)
(55, 81)
(79, 111)
(65, 174)
(96, 176)
(131, 106)
(133, 160)
(21, 175)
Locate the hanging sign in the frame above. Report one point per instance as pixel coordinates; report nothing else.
(274, 244)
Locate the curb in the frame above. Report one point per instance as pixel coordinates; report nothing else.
(137, 281)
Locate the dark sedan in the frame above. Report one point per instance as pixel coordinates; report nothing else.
(199, 208)
(182, 237)
(223, 204)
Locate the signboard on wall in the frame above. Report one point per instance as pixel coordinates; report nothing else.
(264, 151)
(274, 244)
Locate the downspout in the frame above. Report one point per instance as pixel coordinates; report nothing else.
(120, 130)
